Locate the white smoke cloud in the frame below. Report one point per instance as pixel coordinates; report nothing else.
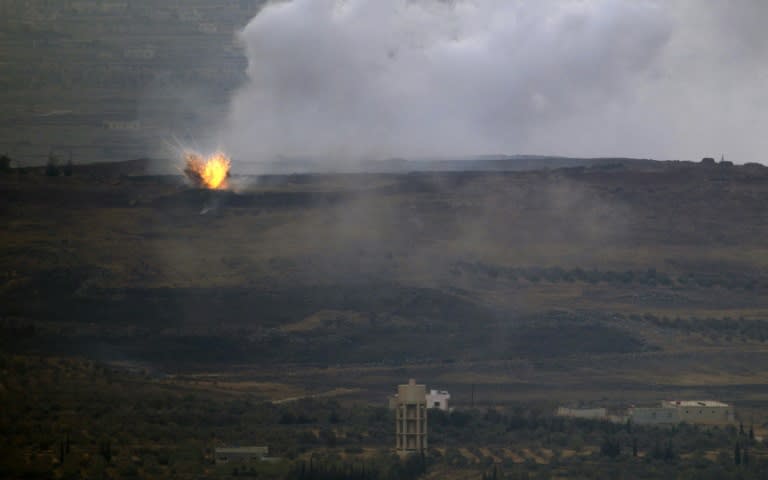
(362, 79)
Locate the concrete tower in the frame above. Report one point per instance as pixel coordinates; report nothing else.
(411, 418)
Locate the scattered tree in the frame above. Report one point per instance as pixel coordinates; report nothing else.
(106, 450)
(52, 166)
(5, 164)
(610, 448)
(67, 168)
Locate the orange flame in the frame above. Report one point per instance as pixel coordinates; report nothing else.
(211, 172)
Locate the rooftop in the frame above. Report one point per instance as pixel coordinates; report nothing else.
(412, 383)
(242, 450)
(694, 403)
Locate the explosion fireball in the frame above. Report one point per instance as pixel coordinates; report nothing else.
(211, 172)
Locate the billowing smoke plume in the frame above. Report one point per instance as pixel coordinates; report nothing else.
(363, 79)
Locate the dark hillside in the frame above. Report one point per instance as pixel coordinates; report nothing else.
(425, 268)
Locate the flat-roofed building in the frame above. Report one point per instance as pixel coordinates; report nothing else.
(702, 412)
(438, 399)
(240, 455)
(698, 412)
(653, 415)
(588, 413)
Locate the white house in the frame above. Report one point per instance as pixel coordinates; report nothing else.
(438, 399)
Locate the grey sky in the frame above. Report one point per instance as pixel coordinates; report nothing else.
(360, 79)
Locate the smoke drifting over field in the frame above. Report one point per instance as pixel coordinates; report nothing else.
(362, 79)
